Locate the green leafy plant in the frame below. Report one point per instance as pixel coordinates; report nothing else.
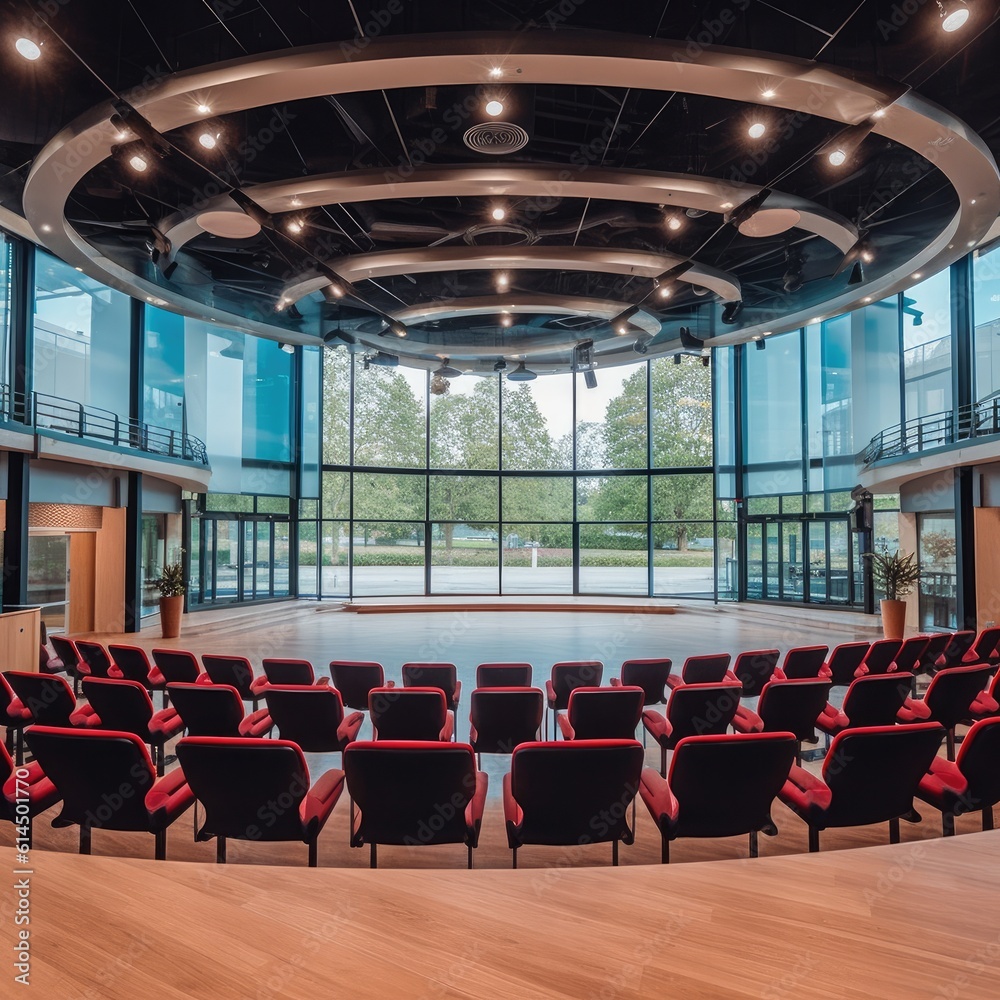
(895, 575)
(170, 582)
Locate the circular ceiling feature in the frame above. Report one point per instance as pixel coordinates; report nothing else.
(229, 225)
(504, 234)
(769, 222)
(496, 138)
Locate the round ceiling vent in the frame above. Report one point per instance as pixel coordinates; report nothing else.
(496, 138)
(499, 234)
(229, 225)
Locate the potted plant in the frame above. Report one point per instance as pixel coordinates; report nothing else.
(170, 584)
(895, 575)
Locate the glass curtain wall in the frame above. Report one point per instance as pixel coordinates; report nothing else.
(6, 264)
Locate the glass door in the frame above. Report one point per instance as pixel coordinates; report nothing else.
(48, 579)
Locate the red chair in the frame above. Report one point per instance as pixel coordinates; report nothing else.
(610, 713)
(283, 670)
(133, 664)
(235, 671)
(174, 666)
(842, 665)
(43, 700)
(907, 660)
(95, 658)
(50, 664)
(803, 661)
(409, 714)
(873, 700)
(257, 790)
(23, 798)
(711, 668)
(566, 794)
(439, 675)
(957, 650)
(312, 716)
(501, 718)
(933, 652)
(790, 706)
(693, 710)
(870, 775)
(564, 678)
(413, 793)
(356, 679)
(969, 783)
(67, 652)
(987, 703)
(12, 721)
(125, 706)
(651, 675)
(719, 786)
(217, 710)
(984, 649)
(492, 675)
(948, 699)
(754, 668)
(881, 657)
(107, 781)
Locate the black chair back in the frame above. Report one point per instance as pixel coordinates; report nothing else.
(491, 675)
(793, 706)
(503, 718)
(753, 669)
(610, 713)
(207, 709)
(651, 675)
(120, 705)
(408, 713)
(308, 716)
(132, 662)
(235, 671)
(355, 680)
(874, 700)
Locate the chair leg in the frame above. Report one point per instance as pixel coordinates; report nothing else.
(513, 857)
(614, 852)
(753, 844)
(373, 859)
(663, 762)
(161, 845)
(220, 850)
(951, 743)
(948, 824)
(470, 858)
(988, 818)
(813, 840)
(894, 830)
(314, 852)
(84, 839)
(664, 850)
(19, 747)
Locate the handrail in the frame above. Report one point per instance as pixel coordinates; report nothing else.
(65, 416)
(935, 430)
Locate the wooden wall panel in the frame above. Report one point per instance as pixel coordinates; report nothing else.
(82, 546)
(20, 632)
(987, 523)
(109, 583)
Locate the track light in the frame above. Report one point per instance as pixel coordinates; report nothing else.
(445, 370)
(792, 279)
(761, 344)
(640, 347)
(666, 283)
(731, 312)
(954, 14)
(857, 274)
(677, 359)
(138, 163)
(706, 360)
(690, 342)
(31, 50)
(500, 366)
(287, 348)
(521, 374)
(674, 223)
(295, 226)
(333, 292)
(590, 378)
(845, 144)
(397, 328)
(503, 280)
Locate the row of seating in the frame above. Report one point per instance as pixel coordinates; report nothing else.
(556, 793)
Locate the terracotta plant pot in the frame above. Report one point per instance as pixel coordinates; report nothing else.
(893, 619)
(170, 616)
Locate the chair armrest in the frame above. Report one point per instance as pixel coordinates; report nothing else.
(657, 725)
(203, 678)
(323, 682)
(85, 717)
(477, 805)
(115, 672)
(448, 730)
(674, 681)
(569, 733)
(512, 814)
(259, 685)
(825, 673)
(156, 678)
(166, 722)
(616, 682)
(914, 710)
(36, 785)
(747, 721)
(256, 723)
(168, 798)
(319, 801)
(347, 731)
(550, 694)
(654, 790)
(458, 692)
(805, 794)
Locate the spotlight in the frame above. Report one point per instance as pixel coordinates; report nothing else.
(333, 292)
(506, 319)
(845, 144)
(503, 280)
(295, 226)
(138, 163)
(690, 342)
(261, 260)
(756, 130)
(731, 312)
(761, 345)
(204, 109)
(677, 359)
(673, 223)
(500, 366)
(706, 359)
(954, 14)
(792, 279)
(496, 72)
(590, 378)
(499, 213)
(30, 50)
(857, 274)
(208, 140)
(695, 213)
(287, 348)
(621, 322)
(397, 328)
(640, 347)
(494, 108)
(665, 292)
(767, 94)
(445, 370)
(521, 374)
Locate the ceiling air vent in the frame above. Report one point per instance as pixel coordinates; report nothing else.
(496, 138)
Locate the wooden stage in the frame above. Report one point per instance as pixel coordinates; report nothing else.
(911, 921)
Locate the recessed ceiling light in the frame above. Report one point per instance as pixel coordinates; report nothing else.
(971, 243)
(769, 93)
(138, 163)
(917, 275)
(499, 213)
(756, 336)
(867, 256)
(28, 49)
(204, 109)
(838, 158)
(78, 268)
(766, 333)
(296, 202)
(954, 14)
(496, 72)
(494, 108)
(503, 280)
(867, 299)
(665, 292)
(207, 140)
(295, 226)
(756, 130)
(972, 202)
(336, 290)
(506, 319)
(726, 206)
(46, 228)
(816, 319)
(674, 223)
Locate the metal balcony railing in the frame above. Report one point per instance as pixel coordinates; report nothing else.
(64, 416)
(936, 430)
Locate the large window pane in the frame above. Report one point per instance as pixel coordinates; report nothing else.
(388, 558)
(464, 498)
(927, 346)
(6, 255)
(310, 556)
(465, 425)
(389, 417)
(335, 548)
(537, 558)
(606, 497)
(386, 495)
(611, 420)
(336, 407)
(538, 423)
(336, 494)
(724, 419)
(538, 498)
(684, 559)
(936, 551)
(465, 558)
(681, 398)
(986, 279)
(614, 559)
(682, 498)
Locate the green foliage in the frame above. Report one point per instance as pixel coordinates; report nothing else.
(895, 575)
(170, 582)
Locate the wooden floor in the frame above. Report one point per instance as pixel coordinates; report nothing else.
(913, 922)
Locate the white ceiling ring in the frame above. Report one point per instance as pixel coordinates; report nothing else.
(545, 184)
(429, 260)
(542, 57)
